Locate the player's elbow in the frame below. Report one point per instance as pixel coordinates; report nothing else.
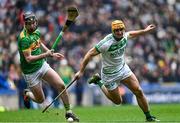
(117, 101)
(28, 59)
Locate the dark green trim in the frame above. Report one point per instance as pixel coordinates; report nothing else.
(120, 44)
(96, 47)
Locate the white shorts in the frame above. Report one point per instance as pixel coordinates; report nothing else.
(36, 77)
(113, 81)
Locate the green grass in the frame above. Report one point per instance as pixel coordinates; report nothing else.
(169, 113)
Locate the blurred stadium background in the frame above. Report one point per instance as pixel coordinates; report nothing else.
(154, 58)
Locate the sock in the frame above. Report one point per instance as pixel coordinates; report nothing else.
(67, 107)
(68, 111)
(147, 114)
(100, 83)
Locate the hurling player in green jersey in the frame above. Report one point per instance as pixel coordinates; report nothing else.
(34, 66)
(114, 68)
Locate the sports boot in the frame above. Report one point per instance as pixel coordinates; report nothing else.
(94, 79)
(26, 99)
(152, 119)
(73, 116)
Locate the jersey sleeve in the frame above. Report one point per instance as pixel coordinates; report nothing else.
(101, 47)
(24, 44)
(126, 35)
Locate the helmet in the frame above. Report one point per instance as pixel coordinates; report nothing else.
(29, 16)
(117, 24)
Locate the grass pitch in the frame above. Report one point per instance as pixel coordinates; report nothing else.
(167, 113)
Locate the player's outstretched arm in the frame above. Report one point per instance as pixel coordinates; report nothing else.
(137, 33)
(89, 55)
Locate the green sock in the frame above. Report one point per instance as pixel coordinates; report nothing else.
(147, 114)
(67, 107)
(100, 83)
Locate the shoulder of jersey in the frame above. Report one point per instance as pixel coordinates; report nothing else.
(108, 37)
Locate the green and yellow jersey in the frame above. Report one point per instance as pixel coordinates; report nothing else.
(32, 43)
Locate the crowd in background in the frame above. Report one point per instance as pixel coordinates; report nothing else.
(154, 58)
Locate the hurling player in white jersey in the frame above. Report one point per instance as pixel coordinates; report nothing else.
(114, 68)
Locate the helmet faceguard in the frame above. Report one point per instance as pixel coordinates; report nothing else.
(118, 29)
(29, 19)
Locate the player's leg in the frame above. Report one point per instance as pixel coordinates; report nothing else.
(133, 84)
(110, 90)
(55, 80)
(113, 95)
(35, 91)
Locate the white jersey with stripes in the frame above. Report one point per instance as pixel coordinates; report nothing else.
(112, 53)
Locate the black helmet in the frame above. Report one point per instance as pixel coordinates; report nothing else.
(29, 16)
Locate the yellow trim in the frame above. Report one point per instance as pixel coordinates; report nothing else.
(27, 50)
(35, 45)
(22, 34)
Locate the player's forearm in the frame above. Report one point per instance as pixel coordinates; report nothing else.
(90, 54)
(44, 47)
(32, 58)
(84, 63)
(137, 33)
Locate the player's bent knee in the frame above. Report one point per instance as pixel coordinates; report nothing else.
(61, 87)
(117, 101)
(41, 100)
